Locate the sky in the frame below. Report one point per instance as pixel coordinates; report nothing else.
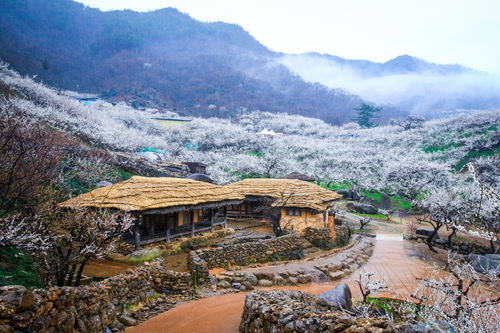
(465, 32)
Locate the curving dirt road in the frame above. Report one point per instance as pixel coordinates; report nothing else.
(221, 314)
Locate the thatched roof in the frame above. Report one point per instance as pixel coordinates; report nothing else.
(299, 176)
(157, 195)
(295, 193)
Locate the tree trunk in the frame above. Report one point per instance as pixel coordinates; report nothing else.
(429, 241)
(450, 243)
(80, 271)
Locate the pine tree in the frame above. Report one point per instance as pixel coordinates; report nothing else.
(366, 114)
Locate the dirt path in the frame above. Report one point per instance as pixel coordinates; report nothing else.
(222, 313)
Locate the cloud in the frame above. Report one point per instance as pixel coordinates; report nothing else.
(422, 92)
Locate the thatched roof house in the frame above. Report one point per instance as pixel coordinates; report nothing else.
(297, 193)
(147, 194)
(164, 207)
(299, 176)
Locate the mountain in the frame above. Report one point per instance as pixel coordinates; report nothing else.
(407, 82)
(165, 59)
(162, 59)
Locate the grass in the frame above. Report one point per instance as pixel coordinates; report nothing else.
(20, 270)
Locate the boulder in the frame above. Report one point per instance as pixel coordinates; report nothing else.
(16, 297)
(265, 283)
(362, 208)
(483, 264)
(127, 320)
(343, 192)
(252, 279)
(426, 233)
(141, 256)
(437, 326)
(385, 201)
(339, 298)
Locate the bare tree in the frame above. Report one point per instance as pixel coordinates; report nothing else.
(60, 242)
(30, 153)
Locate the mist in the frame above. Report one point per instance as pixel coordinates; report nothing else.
(430, 90)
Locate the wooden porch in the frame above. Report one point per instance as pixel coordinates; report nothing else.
(152, 228)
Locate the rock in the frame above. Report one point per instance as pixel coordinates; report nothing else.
(336, 275)
(339, 298)
(279, 281)
(292, 280)
(482, 264)
(385, 201)
(438, 326)
(251, 279)
(361, 208)
(236, 285)
(103, 183)
(463, 249)
(426, 233)
(493, 256)
(115, 257)
(17, 296)
(303, 279)
(343, 192)
(127, 320)
(141, 256)
(224, 284)
(265, 283)
(247, 285)
(264, 275)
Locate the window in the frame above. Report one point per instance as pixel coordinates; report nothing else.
(293, 212)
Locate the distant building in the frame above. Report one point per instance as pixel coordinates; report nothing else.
(169, 122)
(196, 167)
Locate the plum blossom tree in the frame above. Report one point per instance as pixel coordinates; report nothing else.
(60, 243)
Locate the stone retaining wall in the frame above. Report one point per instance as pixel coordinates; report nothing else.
(88, 308)
(320, 272)
(289, 247)
(321, 238)
(299, 311)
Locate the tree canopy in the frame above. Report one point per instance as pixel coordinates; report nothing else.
(366, 114)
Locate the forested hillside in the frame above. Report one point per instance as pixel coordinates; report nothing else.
(426, 153)
(161, 59)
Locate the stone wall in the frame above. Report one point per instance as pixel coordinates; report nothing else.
(88, 308)
(342, 235)
(321, 238)
(289, 247)
(299, 311)
(332, 266)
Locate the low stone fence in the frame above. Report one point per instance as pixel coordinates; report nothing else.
(335, 265)
(328, 238)
(289, 247)
(299, 311)
(88, 308)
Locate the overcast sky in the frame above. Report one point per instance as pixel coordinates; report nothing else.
(465, 32)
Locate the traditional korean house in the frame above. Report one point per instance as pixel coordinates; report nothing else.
(163, 207)
(303, 204)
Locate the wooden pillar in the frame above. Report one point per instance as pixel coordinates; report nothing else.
(137, 236)
(191, 215)
(152, 219)
(168, 227)
(225, 216)
(211, 218)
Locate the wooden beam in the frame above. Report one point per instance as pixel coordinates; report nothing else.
(168, 227)
(191, 215)
(225, 216)
(211, 218)
(137, 236)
